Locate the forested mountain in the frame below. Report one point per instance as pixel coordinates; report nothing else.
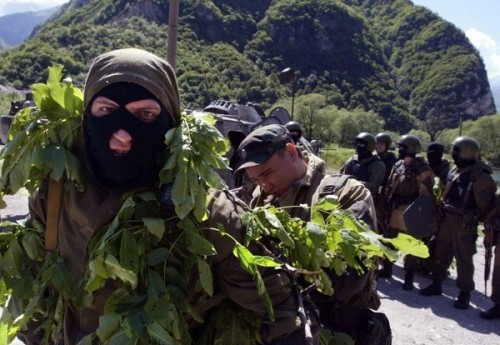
(15, 28)
(399, 60)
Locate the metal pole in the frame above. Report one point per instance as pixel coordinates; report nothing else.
(173, 23)
(460, 126)
(293, 97)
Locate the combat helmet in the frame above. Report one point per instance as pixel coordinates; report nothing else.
(385, 138)
(467, 147)
(294, 126)
(412, 143)
(367, 138)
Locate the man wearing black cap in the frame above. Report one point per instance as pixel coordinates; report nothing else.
(285, 177)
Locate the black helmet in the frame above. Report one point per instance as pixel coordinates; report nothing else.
(368, 138)
(385, 138)
(467, 147)
(412, 144)
(436, 148)
(293, 126)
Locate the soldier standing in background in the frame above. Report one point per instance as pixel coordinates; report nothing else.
(383, 142)
(364, 165)
(295, 130)
(441, 167)
(492, 239)
(410, 178)
(466, 200)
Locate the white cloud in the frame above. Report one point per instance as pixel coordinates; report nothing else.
(489, 49)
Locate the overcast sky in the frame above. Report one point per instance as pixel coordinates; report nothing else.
(479, 19)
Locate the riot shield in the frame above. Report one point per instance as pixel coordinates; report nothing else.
(420, 217)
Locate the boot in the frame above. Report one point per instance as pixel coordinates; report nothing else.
(434, 289)
(492, 313)
(463, 300)
(408, 284)
(386, 271)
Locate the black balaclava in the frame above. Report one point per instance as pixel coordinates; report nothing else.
(362, 149)
(403, 152)
(461, 162)
(296, 136)
(435, 154)
(139, 167)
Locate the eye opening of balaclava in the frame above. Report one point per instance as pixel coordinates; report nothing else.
(362, 149)
(139, 167)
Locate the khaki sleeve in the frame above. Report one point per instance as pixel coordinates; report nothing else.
(425, 182)
(376, 173)
(356, 197)
(237, 284)
(484, 193)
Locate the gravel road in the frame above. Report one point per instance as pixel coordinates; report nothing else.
(415, 320)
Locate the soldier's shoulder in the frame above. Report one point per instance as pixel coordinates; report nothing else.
(332, 183)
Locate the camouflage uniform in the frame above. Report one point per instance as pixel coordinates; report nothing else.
(405, 184)
(353, 292)
(465, 202)
(369, 171)
(441, 170)
(389, 159)
(493, 222)
(84, 214)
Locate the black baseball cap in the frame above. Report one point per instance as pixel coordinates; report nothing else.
(262, 144)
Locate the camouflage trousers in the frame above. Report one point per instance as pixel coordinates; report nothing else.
(455, 239)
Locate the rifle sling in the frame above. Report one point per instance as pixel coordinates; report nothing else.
(53, 211)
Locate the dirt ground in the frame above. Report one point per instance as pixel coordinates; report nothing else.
(415, 320)
(418, 320)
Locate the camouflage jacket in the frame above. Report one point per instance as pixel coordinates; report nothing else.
(360, 291)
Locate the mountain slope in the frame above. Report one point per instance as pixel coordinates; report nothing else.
(392, 57)
(15, 28)
(438, 68)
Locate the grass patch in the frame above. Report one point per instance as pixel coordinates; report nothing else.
(335, 157)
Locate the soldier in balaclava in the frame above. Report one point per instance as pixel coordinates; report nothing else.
(131, 100)
(440, 166)
(295, 130)
(364, 165)
(466, 200)
(410, 178)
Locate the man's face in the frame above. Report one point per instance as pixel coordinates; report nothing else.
(146, 110)
(277, 174)
(381, 147)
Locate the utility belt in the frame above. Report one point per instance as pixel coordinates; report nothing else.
(398, 200)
